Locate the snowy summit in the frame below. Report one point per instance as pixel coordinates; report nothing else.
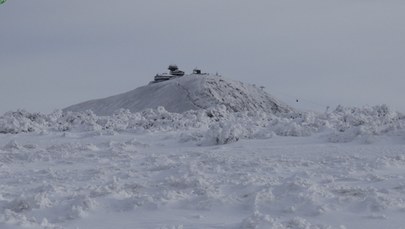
(213, 153)
(179, 92)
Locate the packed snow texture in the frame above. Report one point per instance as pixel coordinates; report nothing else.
(145, 170)
(190, 92)
(211, 168)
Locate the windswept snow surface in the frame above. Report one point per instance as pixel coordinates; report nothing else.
(190, 92)
(203, 169)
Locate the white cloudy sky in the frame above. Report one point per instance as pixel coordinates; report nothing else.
(324, 52)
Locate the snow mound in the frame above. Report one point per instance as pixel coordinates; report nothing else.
(191, 92)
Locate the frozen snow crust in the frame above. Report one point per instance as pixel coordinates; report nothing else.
(218, 125)
(190, 92)
(203, 169)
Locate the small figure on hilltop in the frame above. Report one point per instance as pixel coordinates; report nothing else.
(174, 70)
(196, 71)
(173, 67)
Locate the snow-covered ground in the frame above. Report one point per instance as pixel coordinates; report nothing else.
(203, 169)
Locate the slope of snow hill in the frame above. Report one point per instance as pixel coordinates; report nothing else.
(191, 92)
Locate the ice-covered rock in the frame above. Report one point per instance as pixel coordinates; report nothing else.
(192, 92)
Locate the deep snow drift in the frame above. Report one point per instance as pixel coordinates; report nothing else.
(190, 92)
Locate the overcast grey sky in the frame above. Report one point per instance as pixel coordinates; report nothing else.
(323, 52)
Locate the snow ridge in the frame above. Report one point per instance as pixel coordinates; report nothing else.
(218, 125)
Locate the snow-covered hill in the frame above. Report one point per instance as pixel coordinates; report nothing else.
(244, 162)
(191, 92)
